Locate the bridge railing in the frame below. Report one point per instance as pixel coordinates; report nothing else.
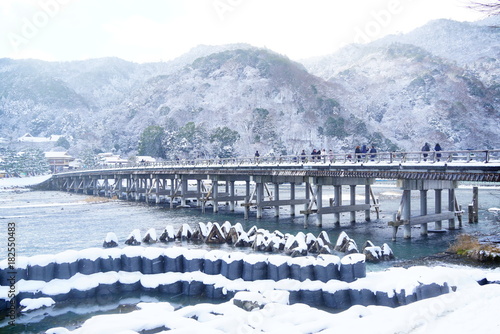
(416, 157)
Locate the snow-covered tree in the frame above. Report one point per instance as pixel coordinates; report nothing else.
(223, 140)
(151, 142)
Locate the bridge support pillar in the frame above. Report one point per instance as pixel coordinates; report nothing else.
(277, 198)
(215, 195)
(367, 201)
(107, 193)
(157, 190)
(474, 206)
(423, 210)
(292, 197)
(319, 204)
(306, 206)
(337, 202)
(437, 207)
(172, 192)
(353, 202)
(95, 182)
(451, 208)
(231, 194)
(259, 198)
(184, 190)
(406, 214)
(247, 199)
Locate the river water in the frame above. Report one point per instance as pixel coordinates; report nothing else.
(52, 222)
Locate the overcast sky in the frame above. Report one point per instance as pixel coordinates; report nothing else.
(153, 30)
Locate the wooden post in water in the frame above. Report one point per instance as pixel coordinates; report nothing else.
(437, 207)
(215, 194)
(276, 198)
(451, 208)
(157, 189)
(319, 204)
(184, 189)
(474, 206)
(247, 198)
(231, 194)
(172, 191)
(406, 214)
(306, 206)
(423, 211)
(353, 202)
(292, 197)
(367, 201)
(337, 202)
(259, 198)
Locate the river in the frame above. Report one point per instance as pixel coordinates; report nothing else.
(52, 222)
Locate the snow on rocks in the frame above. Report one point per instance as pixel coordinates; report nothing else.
(345, 244)
(168, 234)
(30, 304)
(134, 239)
(260, 240)
(150, 237)
(110, 241)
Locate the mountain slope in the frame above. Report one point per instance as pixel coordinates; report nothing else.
(393, 94)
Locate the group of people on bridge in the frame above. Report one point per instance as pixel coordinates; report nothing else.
(427, 148)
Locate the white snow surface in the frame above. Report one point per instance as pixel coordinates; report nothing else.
(30, 304)
(19, 182)
(467, 311)
(470, 309)
(110, 236)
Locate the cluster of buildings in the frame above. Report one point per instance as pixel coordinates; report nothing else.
(62, 161)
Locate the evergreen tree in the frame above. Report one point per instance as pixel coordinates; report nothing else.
(223, 140)
(30, 162)
(63, 142)
(89, 159)
(151, 142)
(192, 140)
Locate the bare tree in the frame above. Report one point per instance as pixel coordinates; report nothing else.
(490, 7)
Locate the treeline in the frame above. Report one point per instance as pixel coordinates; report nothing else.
(29, 162)
(188, 141)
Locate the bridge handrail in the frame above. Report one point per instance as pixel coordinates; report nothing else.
(414, 157)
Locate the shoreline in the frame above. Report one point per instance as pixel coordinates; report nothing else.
(446, 258)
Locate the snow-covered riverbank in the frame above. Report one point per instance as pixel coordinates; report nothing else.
(21, 182)
(471, 310)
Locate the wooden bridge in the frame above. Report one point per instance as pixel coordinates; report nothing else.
(199, 181)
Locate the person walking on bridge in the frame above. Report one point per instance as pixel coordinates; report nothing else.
(426, 148)
(438, 148)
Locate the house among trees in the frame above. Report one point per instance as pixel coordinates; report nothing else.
(58, 161)
(110, 159)
(28, 138)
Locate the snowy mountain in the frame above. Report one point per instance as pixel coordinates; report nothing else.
(439, 83)
(397, 93)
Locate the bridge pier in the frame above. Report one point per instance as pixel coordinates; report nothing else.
(319, 204)
(406, 213)
(403, 216)
(337, 202)
(352, 202)
(423, 211)
(247, 199)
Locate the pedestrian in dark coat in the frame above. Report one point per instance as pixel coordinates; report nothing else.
(357, 153)
(438, 148)
(373, 152)
(425, 148)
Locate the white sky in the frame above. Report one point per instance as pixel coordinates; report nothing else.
(153, 30)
